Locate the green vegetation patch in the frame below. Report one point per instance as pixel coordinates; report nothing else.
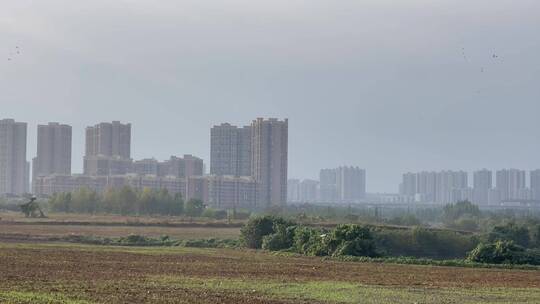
(109, 248)
(18, 297)
(346, 292)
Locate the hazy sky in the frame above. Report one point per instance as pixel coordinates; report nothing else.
(391, 86)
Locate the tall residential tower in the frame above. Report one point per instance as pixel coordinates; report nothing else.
(108, 149)
(482, 185)
(269, 148)
(53, 150)
(230, 150)
(14, 168)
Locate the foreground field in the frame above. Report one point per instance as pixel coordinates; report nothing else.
(58, 273)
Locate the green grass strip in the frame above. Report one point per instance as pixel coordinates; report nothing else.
(18, 297)
(346, 292)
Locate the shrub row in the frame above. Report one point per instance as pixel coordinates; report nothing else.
(139, 240)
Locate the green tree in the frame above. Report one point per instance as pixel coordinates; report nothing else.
(85, 200)
(163, 201)
(60, 202)
(503, 252)
(282, 238)
(535, 236)
(147, 200)
(452, 212)
(177, 205)
(510, 232)
(126, 200)
(257, 228)
(194, 207)
(351, 239)
(110, 201)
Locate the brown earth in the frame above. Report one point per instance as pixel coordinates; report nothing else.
(43, 232)
(121, 275)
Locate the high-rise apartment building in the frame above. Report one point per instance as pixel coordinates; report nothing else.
(269, 142)
(108, 149)
(229, 192)
(409, 185)
(308, 191)
(448, 183)
(147, 166)
(305, 191)
(426, 186)
(194, 166)
(351, 183)
(482, 185)
(441, 187)
(53, 150)
(535, 184)
(343, 184)
(293, 190)
(109, 139)
(230, 150)
(510, 183)
(328, 191)
(14, 175)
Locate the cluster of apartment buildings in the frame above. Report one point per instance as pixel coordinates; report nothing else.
(344, 184)
(445, 187)
(248, 164)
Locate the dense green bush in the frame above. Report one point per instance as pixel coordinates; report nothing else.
(309, 241)
(503, 252)
(510, 232)
(257, 228)
(452, 212)
(423, 242)
(282, 238)
(275, 233)
(535, 236)
(194, 207)
(352, 240)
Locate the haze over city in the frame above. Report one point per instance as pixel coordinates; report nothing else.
(392, 88)
(284, 152)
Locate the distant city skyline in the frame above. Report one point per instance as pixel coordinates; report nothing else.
(31, 154)
(487, 187)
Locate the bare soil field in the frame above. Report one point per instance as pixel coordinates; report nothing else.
(58, 273)
(14, 227)
(44, 232)
(115, 220)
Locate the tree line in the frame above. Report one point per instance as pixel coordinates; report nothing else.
(125, 201)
